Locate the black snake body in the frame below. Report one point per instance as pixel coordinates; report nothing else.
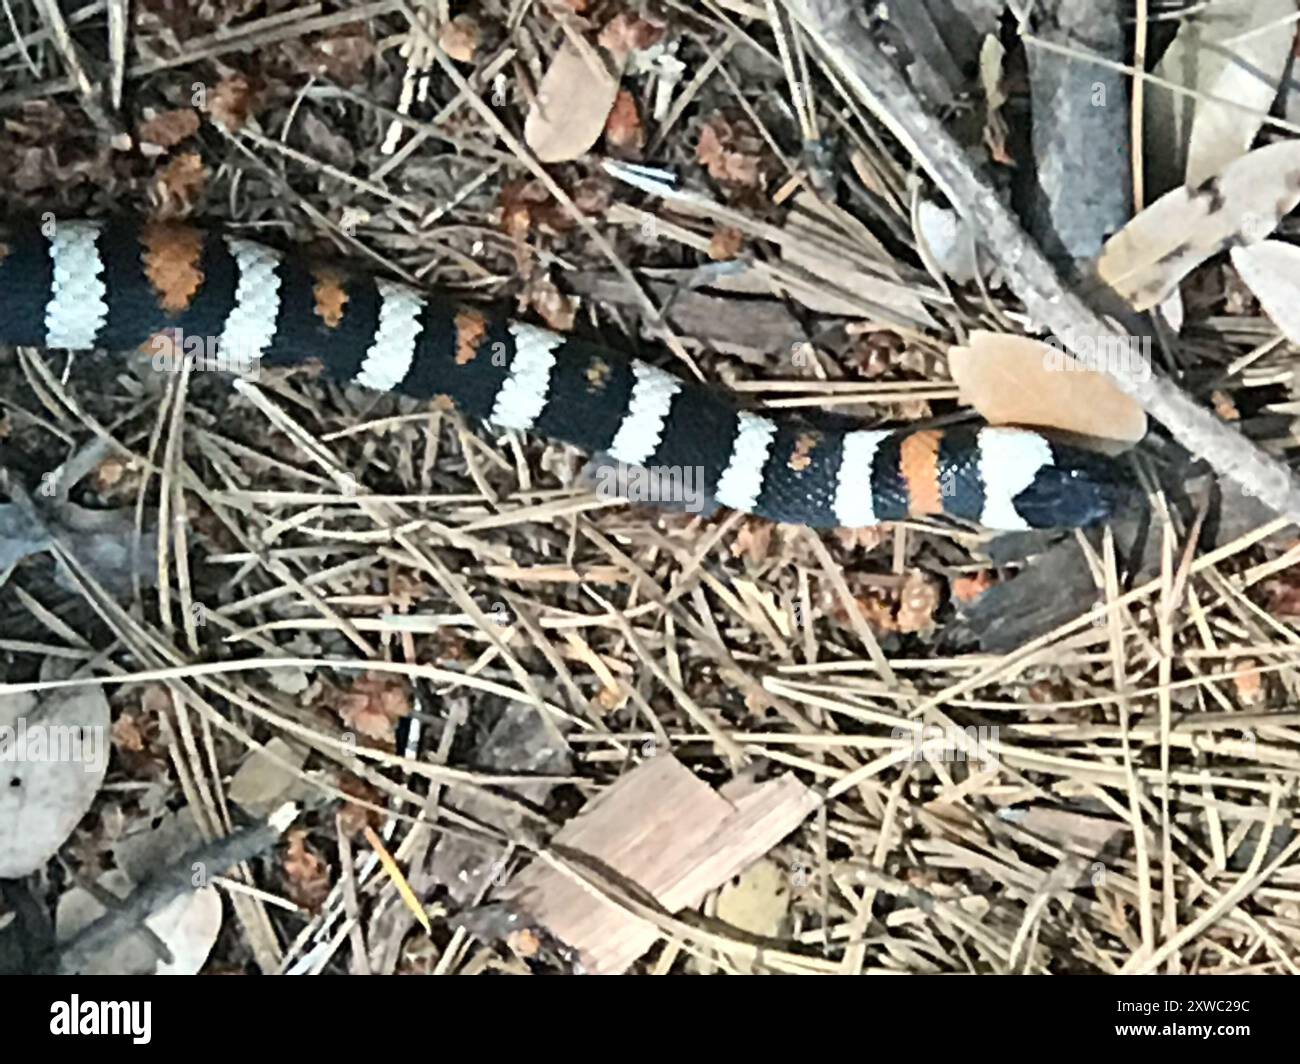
(81, 284)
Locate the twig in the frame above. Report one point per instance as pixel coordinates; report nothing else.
(173, 881)
(868, 73)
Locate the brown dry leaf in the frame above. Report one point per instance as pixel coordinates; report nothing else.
(307, 873)
(178, 186)
(917, 602)
(877, 609)
(725, 243)
(231, 102)
(460, 38)
(1146, 259)
(170, 127)
(623, 129)
(373, 705)
(528, 203)
(1013, 380)
(572, 104)
(731, 151)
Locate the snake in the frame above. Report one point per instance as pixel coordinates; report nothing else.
(119, 284)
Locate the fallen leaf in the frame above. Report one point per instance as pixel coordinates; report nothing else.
(231, 101)
(623, 129)
(1234, 50)
(308, 874)
(627, 32)
(1271, 270)
(572, 104)
(731, 151)
(188, 926)
(53, 757)
(552, 306)
(1015, 380)
(373, 705)
(1146, 259)
(178, 186)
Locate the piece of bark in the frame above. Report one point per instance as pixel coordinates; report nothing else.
(669, 833)
(1082, 187)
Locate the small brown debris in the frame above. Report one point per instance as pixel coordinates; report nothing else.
(231, 102)
(725, 243)
(373, 705)
(627, 32)
(1224, 407)
(170, 127)
(552, 306)
(178, 186)
(460, 38)
(1249, 682)
(731, 151)
(624, 132)
(353, 817)
(307, 873)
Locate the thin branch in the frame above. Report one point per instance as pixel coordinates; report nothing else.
(848, 46)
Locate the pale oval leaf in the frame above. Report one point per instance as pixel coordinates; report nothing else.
(573, 101)
(1015, 380)
(53, 756)
(1271, 271)
(1146, 259)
